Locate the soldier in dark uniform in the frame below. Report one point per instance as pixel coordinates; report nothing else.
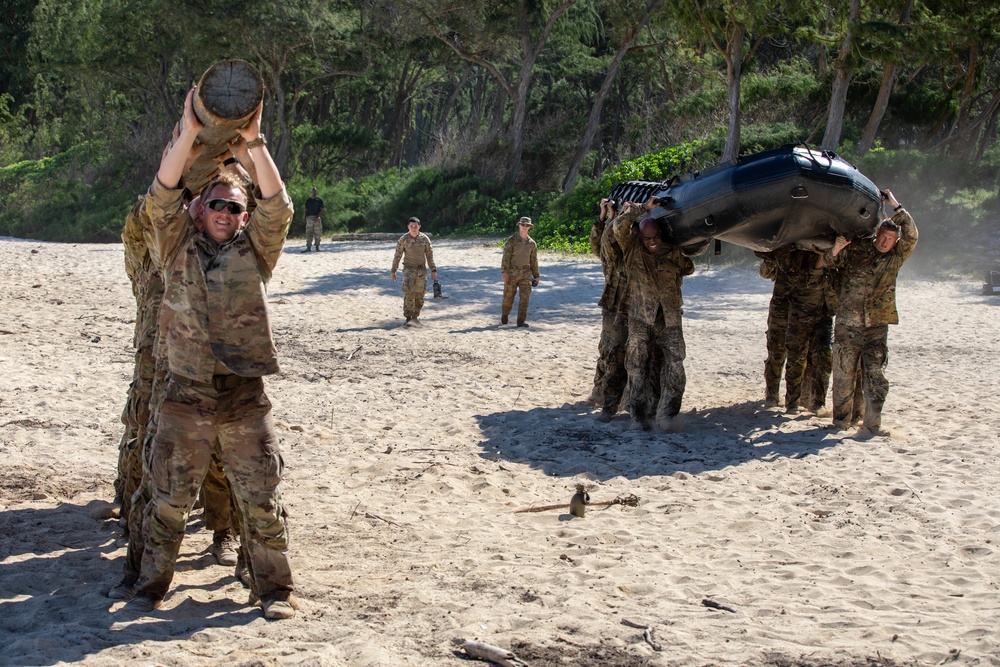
(314, 220)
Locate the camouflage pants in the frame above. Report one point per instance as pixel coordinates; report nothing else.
(816, 382)
(612, 375)
(314, 230)
(135, 416)
(777, 327)
(807, 305)
(414, 289)
(640, 362)
(193, 422)
(861, 350)
(517, 282)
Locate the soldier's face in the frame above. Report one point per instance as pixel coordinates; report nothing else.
(885, 240)
(221, 226)
(650, 237)
(523, 230)
(414, 228)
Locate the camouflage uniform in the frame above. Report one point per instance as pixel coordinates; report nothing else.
(785, 266)
(520, 263)
(807, 301)
(816, 381)
(214, 314)
(140, 261)
(416, 254)
(654, 288)
(867, 308)
(147, 287)
(611, 374)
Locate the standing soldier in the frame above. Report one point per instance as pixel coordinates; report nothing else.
(867, 308)
(655, 270)
(314, 223)
(216, 332)
(785, 267)
(614, 320)
(518, 271)
(414, 248)
(806, 304)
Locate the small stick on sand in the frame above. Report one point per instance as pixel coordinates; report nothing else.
(369, 515)
(631, 500)
(647, 633)
(482, 651)
(351, 355)
(715, 605)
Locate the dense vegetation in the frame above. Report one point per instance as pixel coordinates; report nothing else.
(470, 113)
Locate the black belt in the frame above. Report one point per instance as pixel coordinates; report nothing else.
(412, 266)
(219, 382)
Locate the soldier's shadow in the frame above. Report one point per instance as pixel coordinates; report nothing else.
(58, 566)
(566, 441)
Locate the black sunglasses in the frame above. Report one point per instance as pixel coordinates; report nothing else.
(235, 207)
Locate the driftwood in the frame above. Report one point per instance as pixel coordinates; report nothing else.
(372, 236)
(647, 633)
(712, 604)
(229, 93)
(500, 656)
(631, 500)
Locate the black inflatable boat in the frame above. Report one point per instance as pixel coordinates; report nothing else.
(763, 201)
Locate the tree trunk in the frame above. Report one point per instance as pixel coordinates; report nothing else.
(530, 51)
(597, 108)
(734, 69)
(884, 91)
(838, 96)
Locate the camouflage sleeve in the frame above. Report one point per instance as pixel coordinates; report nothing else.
(907, 232)
(623, 226)
(534, 261)
(165, 208)
(400, 247)
(134, 243)
(685, 264)
(429, 252)
(268, 227)
(596, 234)
(508, 255)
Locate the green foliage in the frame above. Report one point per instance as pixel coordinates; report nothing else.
(955, 213)
(63, 198)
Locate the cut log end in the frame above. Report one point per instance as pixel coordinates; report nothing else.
(230, 90)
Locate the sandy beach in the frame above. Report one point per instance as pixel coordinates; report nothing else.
(758, 538)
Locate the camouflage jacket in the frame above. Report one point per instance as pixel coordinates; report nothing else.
(596, 236)
(789, 261)
(147, 284)
(414, 251)
(615, 294)
(215, 305)
(520, 256)
(868, 292)
(654, 281)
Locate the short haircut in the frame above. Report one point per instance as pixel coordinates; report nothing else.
(413, 219)
(889, 226)
(227, 179)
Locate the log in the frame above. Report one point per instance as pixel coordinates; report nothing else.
(228, 95)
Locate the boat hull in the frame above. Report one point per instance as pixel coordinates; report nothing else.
(763, 201)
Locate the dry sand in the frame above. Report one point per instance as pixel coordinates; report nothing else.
(408, 451)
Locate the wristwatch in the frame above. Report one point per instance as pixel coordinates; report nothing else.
(254, 143)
